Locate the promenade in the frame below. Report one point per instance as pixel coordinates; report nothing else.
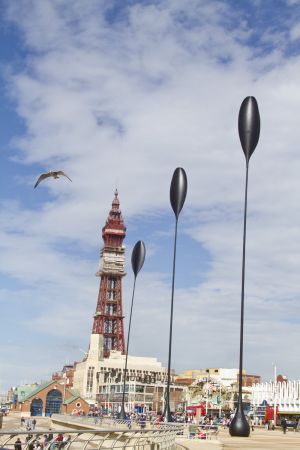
(260, 439)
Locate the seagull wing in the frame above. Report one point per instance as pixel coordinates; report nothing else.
(42, 177)
(60, 172)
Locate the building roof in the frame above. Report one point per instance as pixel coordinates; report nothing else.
(24, 390)
(39, 388)
(71, 399)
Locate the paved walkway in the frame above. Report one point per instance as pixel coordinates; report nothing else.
(261, 439)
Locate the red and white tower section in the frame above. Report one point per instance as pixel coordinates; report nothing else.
(108, 318)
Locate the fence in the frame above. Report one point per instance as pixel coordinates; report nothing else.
(162, 438)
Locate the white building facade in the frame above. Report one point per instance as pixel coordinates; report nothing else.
(100, 381)
(285, 395)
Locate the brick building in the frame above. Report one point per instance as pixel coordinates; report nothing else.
(49, 398)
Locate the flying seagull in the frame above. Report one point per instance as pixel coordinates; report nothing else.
(50, 174)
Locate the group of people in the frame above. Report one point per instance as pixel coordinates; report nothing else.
(40, 443)
(28, 423)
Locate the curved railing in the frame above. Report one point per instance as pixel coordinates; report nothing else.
(109, 422)
(150, 439)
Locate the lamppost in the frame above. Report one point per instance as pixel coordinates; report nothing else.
(178, 190)
(275, 393)
(249, 129)
(206, 397)
(220, 405)
(137, 261)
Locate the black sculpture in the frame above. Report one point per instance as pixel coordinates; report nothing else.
(249, 129)
(178, 190)
(137, 261)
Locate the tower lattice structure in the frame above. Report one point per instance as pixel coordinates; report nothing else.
(108, 318)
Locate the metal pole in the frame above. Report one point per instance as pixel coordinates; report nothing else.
(123, 414)
(275, 394)
(206, 401)
(220, 408)
(243, 292)
(167, 404)
(239, 423)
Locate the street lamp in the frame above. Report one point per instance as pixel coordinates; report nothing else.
(249, 129)
(137, 261)
(178, 190)
(275, 393)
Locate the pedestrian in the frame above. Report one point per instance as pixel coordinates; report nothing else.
(284, 425)
(66, 440)
(22, 422)
(252, 423)
(28, 425)
(33, 424)
(18, 444)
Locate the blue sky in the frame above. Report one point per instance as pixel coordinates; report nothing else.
(121, 95)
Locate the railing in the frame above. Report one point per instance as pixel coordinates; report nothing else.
(158, 438)
(110, 422)
(95, 422)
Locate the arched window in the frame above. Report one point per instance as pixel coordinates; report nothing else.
(53, 402)
(36, 407)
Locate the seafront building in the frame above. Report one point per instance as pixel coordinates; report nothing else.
(283, 395)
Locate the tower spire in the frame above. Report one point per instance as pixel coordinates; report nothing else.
(108, 318)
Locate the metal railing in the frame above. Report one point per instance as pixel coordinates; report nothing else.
(117, 439)
(110, 422)
(151, 439)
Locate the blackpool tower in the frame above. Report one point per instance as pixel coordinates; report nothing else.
(108, 318)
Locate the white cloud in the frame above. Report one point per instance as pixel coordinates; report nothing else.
(295, 32)
(126, 103)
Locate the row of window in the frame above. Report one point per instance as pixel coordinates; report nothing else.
(90, 376)
(118, 388)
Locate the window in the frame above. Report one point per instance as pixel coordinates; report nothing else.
(90, 376)
(139, 388)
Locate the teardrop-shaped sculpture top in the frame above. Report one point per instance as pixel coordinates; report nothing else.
(249, 126)
(138, 257)
(178, 190)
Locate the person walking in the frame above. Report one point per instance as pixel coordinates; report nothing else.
(33, 424)
(18, 444)
(284, 426)
(22, 422)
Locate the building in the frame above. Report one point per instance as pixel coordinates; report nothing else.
(225, 377)
(284, 395)
(66, 375)
(213, 390)
(249, 380)
(46, 399)
(99, 377)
